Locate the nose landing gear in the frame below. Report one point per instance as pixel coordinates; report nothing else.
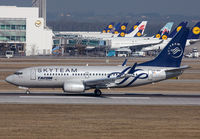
(97, 92)
(25, 88)
(28, 92)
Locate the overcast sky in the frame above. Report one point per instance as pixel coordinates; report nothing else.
(183, 7)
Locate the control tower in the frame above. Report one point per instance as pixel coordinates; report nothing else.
(41, 4)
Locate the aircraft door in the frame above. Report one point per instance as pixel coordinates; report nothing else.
(33, 74)
(150, 75)
(87, 75)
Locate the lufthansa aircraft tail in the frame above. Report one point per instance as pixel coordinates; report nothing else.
(108, 28)
(172, 54)
(194, 32)
(122, 30)
(115, 30)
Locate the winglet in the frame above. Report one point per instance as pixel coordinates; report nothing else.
(131, 71)
(124, 63)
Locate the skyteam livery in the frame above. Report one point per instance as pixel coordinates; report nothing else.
(78, 79)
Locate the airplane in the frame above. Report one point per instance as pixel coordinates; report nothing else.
(78, 79)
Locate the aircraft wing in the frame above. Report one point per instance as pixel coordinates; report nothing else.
(107, 81)
(99, 82)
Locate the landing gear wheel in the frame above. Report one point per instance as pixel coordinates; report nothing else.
(28, 92)
(97, 92)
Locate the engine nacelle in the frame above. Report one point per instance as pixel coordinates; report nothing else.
(74, 87)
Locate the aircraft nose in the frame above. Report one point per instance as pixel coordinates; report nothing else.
(9, 79)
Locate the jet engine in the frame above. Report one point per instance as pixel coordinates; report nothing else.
(74, 87)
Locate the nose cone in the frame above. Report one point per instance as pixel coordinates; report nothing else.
(9, 79)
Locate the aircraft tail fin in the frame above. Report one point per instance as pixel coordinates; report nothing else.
(167, 28)
(122, 30)
(195, 32)
(171, 55)
(141, 27)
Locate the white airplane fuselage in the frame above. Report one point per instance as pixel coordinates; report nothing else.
(120, 42)
(80, 78)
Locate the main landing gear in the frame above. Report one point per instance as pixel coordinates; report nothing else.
(97, 92)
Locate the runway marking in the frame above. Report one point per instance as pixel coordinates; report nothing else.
(74, 97)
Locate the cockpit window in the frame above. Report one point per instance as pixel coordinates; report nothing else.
(18, 73)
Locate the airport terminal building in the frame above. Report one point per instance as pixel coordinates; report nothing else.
(24, 32)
